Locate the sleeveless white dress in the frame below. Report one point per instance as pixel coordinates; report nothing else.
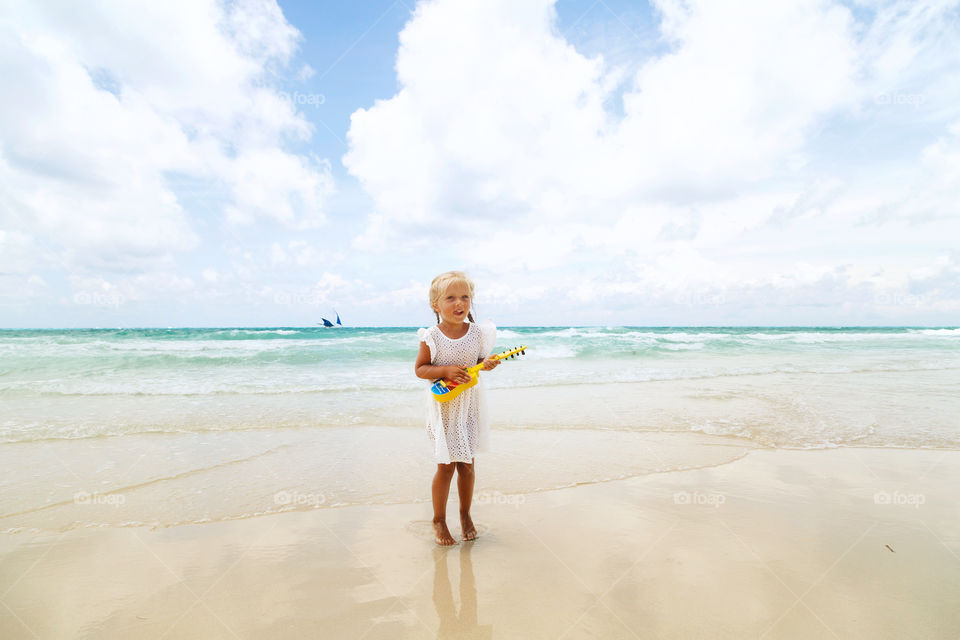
(459, 428)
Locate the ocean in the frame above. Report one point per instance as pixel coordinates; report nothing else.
(166, 418)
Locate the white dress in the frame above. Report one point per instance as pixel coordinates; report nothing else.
(459, 428)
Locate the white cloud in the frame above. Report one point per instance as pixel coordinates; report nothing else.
(18, 253)
(742, 162)
(270, 183)
(498, 116)
(732, 172)
(306, 72)
(117, 102)
(734, 100)
(493, 117)
(97, 298)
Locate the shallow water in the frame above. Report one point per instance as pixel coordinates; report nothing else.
(885, 386)
(112, 427)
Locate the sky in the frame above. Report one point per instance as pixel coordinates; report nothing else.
(199, 163)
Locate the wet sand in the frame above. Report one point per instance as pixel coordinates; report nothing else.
(848, 543)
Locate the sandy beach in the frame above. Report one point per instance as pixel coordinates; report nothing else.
(843, 543)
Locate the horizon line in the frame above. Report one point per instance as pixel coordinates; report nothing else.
(505, 326)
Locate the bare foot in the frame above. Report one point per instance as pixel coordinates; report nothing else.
(442, 534)
(466, 525)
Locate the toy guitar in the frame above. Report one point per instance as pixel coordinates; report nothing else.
(447, 390)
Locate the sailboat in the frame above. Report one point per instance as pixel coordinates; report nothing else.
(327, 323)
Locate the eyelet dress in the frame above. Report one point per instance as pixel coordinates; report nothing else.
(459, 428)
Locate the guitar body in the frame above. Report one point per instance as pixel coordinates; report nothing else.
(447, 390)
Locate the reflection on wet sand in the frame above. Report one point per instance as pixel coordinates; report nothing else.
(453, 624)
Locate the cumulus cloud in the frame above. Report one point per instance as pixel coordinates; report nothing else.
(117, 104)
(733, 101)
(493, 117)
(499, 116)
(744, 162)
(732, 163)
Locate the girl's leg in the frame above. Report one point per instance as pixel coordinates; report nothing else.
(465, 481)
(441, 489)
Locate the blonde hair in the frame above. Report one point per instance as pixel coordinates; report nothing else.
(440, 285)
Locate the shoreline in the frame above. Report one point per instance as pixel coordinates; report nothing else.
(179, 479)
(848, 542)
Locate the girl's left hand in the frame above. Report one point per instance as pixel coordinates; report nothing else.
(490, 363)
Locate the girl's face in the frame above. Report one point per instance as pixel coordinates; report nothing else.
(454, 305)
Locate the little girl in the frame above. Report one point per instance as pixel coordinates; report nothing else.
(458, 427)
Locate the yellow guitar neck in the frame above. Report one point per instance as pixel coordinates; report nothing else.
(500, 356)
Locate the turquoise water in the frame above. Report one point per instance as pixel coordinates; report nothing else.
(83, 383)
(159, 427)
(290, 360)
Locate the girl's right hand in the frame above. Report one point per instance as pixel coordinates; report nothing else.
(456, 374)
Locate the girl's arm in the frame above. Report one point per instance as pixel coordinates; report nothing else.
(427, 371)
